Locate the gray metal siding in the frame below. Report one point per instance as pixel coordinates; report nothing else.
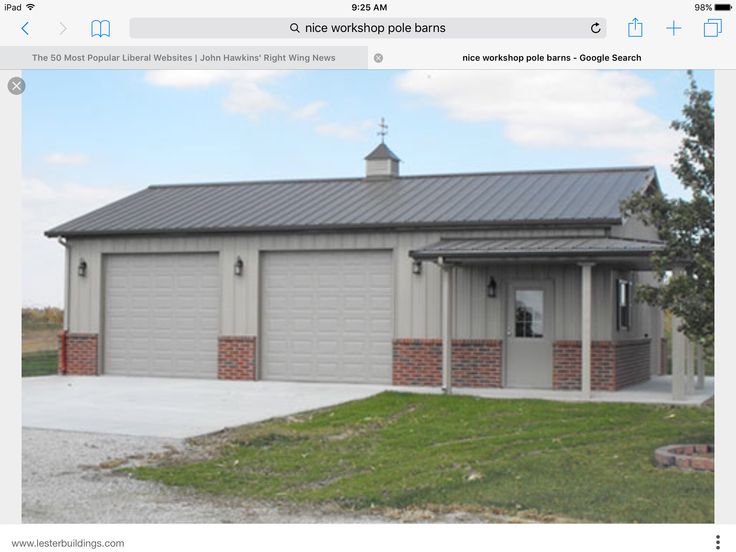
(416, 301)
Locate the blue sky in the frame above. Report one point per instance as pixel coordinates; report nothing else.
(92, 136)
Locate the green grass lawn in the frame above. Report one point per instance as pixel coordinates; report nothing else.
(582, 461)
(40, 363)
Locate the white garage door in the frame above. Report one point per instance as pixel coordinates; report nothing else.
(327, 316)
(161, 315)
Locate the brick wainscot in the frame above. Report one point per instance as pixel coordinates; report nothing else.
(236, 357)
(80, 350)
(614, 364)
(475, 362)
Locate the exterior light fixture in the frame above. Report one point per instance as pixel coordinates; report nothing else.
(416, 267)
(82, 268)
(238, 267)
(491, 288)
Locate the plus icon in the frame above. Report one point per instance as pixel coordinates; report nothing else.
(674, 28)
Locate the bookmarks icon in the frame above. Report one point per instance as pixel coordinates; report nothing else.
(100, 27)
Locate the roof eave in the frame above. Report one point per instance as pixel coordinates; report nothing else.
(461, 255)
(432, 226)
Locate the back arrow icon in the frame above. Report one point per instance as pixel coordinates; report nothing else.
(63, 28)
(23, 28)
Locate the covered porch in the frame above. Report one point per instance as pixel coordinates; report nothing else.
(527, 328)
(658, 390)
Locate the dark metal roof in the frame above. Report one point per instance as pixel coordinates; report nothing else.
(558, 197)
(538, 246)
(382, 151)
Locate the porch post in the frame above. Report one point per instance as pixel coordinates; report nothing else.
(586, 332)
(447, 277)
(679, 352)
(700, 364)
(689, 367)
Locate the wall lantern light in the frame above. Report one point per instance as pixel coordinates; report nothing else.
(82, 268)
(238, 267)
(416, 267)
(491, 288)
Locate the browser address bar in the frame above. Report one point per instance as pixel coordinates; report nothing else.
(377, 28)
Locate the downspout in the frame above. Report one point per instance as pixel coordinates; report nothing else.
(65, 327)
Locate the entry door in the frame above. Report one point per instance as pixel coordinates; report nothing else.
(529, 334)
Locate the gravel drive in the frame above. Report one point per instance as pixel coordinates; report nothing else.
(68, 478)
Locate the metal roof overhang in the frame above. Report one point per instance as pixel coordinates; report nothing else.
(630, 254)
(63, 231)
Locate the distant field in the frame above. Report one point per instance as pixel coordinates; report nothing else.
(39, 350)
(40, 339)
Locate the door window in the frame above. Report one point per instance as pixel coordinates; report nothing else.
(529, 313)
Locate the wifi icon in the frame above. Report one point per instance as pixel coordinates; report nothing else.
(30, 7)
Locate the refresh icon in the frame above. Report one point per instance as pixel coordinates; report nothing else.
(595, 28)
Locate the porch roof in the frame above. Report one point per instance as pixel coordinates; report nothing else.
(630, 252)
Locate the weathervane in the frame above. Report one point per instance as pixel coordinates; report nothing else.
(384, 129)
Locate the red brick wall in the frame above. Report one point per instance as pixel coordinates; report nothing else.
(632, 362)
(476, 362)
(614, 364)
(236, 357)
(566, 363)
(81, 354)
(603, 360)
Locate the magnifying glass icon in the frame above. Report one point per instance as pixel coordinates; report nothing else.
(294, 28)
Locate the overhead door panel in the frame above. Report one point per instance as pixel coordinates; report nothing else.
(161, 315)
(327, 316)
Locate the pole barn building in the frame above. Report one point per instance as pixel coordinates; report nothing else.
(509, 279)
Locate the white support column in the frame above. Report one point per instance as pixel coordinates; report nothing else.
(689, 367)
(586, 327)
(448, 272)
(679, 353)
(700, 364)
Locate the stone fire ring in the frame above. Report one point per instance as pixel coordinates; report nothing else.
(686, 457)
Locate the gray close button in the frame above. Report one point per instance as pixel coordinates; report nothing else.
(16, 86)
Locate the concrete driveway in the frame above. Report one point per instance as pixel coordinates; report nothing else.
(169, 407)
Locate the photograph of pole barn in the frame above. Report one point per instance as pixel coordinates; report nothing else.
(512, 279)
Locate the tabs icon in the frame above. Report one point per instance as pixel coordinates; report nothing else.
(712, 28)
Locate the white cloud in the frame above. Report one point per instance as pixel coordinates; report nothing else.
(188, 78)
(45, 206)
(310, 111)
(591, 109)
(69, 159)
(249, 95)
(247, 92)
(345, 131)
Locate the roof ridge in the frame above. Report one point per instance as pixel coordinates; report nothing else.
(631, 168)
